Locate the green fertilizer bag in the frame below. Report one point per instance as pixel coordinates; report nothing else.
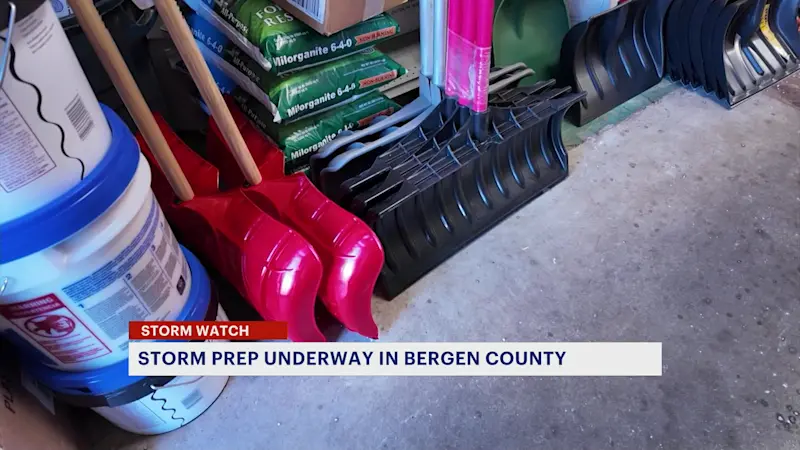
(280, 43)
(312, 90)
(301, 139)
(300, 94)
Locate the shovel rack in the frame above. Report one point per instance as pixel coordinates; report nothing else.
(732, 49)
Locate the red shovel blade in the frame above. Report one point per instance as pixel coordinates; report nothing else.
(271, 265)
(351, 254)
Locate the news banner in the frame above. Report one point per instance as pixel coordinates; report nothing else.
(261, 349)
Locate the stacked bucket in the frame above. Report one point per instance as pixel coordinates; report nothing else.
(84, 246)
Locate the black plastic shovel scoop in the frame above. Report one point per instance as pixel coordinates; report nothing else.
(732, 48)
(427, 202)
(760, 45)
(447, 182)
(614, 56)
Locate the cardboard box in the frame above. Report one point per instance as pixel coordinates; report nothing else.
(332, 16)
(25, 424)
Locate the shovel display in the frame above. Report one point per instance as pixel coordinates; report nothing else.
(353, 152)
(733, 49)
(271, 265)
(432, 14)
(243, 231)
(428, 201)
(349, 251)
(470, 163)
(356, 158)
(614, 56)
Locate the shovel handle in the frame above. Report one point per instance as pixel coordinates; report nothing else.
(440, 42)
(120, 75)
(184, 41)
(426, 32)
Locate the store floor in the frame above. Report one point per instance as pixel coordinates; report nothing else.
(680, 224)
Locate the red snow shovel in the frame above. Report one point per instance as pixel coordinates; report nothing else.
(271, 265)
(351, 253)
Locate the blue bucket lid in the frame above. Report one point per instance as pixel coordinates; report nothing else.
(111, 385)
(79, 206)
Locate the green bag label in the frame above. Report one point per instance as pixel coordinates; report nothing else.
(288, 44)
(301, 139)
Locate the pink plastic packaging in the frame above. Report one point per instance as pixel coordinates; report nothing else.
(469, 52)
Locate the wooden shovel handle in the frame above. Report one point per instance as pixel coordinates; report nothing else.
(120, 75)
(184, 41)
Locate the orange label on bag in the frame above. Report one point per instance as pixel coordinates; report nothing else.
(375, 35)
(367, 82)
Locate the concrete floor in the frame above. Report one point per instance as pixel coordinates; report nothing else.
(680, 224)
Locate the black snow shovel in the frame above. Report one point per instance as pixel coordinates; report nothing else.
(437, 190)
(732, 48)
(614, 56)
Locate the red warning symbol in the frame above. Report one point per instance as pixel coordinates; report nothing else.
(50, 325)
(47, 322)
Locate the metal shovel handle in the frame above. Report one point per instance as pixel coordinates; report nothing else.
(433, 39)
(440, 42)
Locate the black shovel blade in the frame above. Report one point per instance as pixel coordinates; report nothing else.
(695, 33)
(455, 187)
(329, 180)
(760, 44)
(687, 70)
(711, 49)
(359, 176)
(654, 29)
(608, 57)
(673, 29)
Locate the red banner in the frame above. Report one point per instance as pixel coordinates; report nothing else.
(204, 331)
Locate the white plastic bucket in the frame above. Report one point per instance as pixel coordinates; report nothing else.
(73, 300)
(168, 408)
(143, 405)
(171, 406)
(52, 130)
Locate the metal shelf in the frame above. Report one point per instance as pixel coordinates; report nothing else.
(405, 50)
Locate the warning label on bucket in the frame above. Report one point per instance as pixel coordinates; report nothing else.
(23, 158)
(50, 324)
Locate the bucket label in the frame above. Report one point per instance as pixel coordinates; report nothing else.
(23, 158)
(136, 284)
(48, 322)
(53, 131)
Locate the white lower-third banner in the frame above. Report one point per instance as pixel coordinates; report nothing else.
(483, 359)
